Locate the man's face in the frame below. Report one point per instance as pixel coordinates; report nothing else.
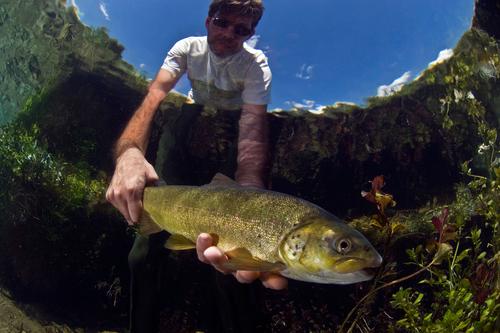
(226, 33)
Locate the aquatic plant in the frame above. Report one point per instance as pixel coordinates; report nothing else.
(457, 276)
(460, 291)
(457, 267)
(55, 232)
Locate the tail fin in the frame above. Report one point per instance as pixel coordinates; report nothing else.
(147, 225)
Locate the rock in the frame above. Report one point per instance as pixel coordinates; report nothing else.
(487, 16)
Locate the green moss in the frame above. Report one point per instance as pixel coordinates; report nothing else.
(42, 44)
(35, 180)
(53, 223)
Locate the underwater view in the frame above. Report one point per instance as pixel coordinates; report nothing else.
(135, 198)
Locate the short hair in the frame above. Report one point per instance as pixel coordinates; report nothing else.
(248, 8)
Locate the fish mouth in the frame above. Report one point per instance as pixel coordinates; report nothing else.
(331, 277)
(345, 271)
(353, 264)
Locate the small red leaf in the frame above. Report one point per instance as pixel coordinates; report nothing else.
(438, 224)
(377, 184)
(369, 196)
(440, 221)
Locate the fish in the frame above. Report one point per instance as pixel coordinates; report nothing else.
(260, 230)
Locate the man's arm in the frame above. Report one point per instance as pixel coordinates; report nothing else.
(253, 146)
(253, 167)
(136, 134)
(132, 171)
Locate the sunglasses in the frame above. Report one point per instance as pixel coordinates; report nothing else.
(239, 29)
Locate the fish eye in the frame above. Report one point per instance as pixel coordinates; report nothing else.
(344, 246)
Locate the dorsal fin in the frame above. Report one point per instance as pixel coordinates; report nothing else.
(222, 180)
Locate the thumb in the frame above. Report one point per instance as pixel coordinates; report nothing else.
(151, 175)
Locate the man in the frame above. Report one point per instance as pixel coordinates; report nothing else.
(225, 73)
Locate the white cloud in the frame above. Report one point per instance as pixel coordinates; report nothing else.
(305, 72)
(442, 57)
(77, 9)
(306, 104)
(141, 66)
(319, 109)
(252, 42)
(395, 86)
(73, 3)
(104, 11)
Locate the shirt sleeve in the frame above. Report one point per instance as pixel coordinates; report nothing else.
(257, 84)
(176, 59)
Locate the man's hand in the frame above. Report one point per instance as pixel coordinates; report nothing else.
(132, 173)
(214, 256)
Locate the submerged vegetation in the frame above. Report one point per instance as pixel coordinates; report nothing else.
(450, 281)
(459, 289)
(57, 235)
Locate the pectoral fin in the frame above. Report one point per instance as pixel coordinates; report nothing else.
(242, 259)
(147, 226)
(179, 242)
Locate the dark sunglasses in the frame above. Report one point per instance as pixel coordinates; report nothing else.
(239, 29)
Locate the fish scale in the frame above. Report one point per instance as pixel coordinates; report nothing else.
(258, 219)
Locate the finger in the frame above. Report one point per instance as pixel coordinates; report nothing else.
(135, 210)
(216, 258)
(109, 197)
(134, 204)
(151, 175)
(122, 207)
(246, 276)
(132, 194)
(273, 281)
(203, 242)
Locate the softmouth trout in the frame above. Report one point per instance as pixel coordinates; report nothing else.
(261, 230)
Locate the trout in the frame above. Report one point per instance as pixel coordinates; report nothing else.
(260, 230)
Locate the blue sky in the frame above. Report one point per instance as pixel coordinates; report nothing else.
(320, 51)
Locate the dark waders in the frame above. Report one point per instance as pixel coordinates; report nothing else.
(228, 306)
(145, 263)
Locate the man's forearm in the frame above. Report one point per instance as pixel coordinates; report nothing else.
(253, 147)
(136, 133)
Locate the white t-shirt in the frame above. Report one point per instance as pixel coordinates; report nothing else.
(226, 83)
